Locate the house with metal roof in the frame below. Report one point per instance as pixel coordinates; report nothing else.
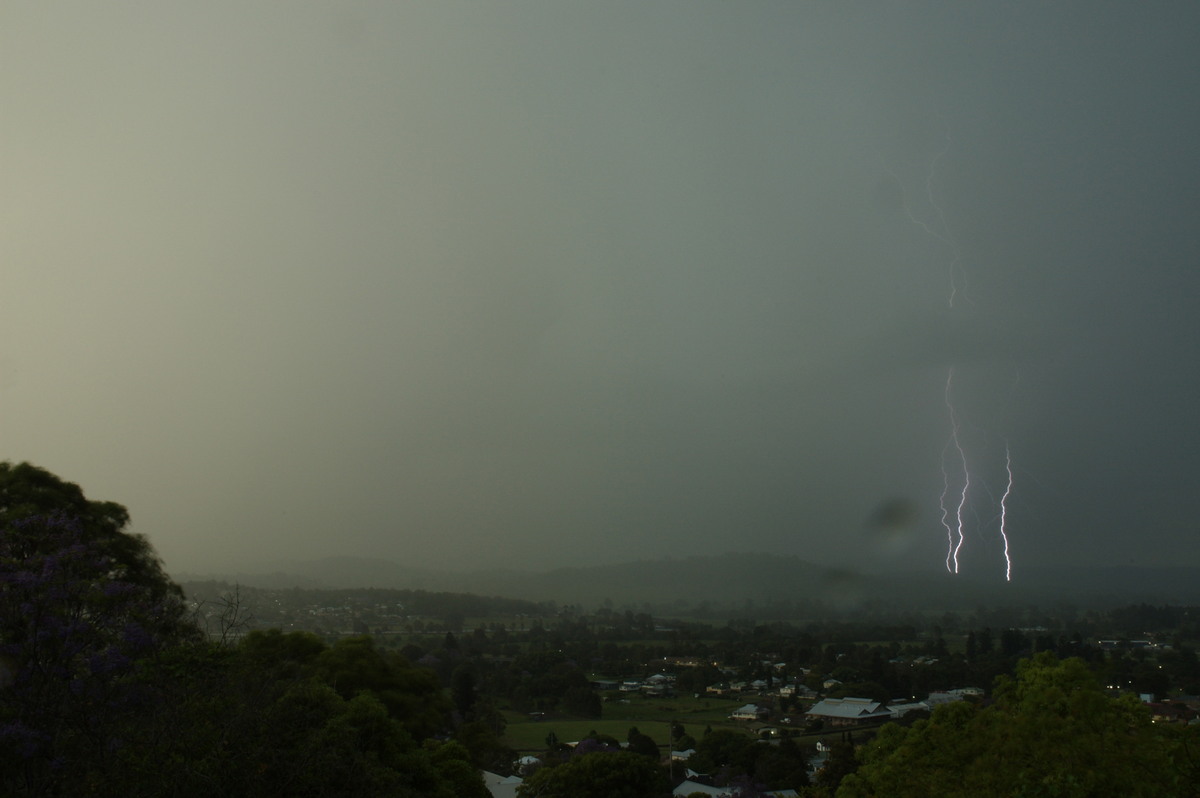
(848, 711)
(749, 712)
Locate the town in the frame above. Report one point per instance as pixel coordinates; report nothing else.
(548, 679)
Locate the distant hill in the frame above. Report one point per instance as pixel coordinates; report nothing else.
(1106, 585)
(755, 583)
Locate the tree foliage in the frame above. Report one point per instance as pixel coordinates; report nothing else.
(27, 491)
(725, 752)
(107, 688)
(1052, 731)
(74, 635)
(605, 774)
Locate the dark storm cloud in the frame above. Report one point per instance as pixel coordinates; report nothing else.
(533, 284)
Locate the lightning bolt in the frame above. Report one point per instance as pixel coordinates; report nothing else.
(940, 229)
(958, 276)
(946, 511)
(954, 532)
(954, 502)
(1004, 512)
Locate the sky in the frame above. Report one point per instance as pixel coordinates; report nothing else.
(476, 285)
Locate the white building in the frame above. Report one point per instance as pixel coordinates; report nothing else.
(749, 712)
(501, 786)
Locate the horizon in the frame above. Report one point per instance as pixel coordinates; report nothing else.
(731, 579)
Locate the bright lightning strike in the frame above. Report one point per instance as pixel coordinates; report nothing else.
(1004, 512)
(946, 511)
(954, 532)
(955, 503)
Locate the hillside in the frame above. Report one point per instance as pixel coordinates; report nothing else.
(754, 583)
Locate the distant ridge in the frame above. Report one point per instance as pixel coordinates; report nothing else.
(752, 582)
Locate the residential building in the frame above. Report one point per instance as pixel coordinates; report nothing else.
(849, 711)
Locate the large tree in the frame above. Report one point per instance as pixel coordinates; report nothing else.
(27, 491)
(1052, 731)
(74, 638)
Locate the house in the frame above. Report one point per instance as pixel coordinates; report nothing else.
(1176, 712)
(901, 708)
(849, 711)
(749, 712)
(937, 699)
(689, 787)
(501, 786)
(658, 684)
(817, 762)
(796, 690)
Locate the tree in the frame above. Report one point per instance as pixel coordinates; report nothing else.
(462, 689)
(106, 689)
(74, 635)
(221, 725)
(27, 491)
(1052, 731)
(642, 744)
(486, 747)
(285, 656)
(411, 694)
(453, 763)
(325, 745)
(723, 748)
(616, 774)
(840, 764)
(780, 767)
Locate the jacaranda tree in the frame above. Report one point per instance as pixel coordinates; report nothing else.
(73, 630)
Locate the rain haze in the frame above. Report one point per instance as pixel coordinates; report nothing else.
(537, 284)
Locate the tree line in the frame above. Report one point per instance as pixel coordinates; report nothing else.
(109, 688)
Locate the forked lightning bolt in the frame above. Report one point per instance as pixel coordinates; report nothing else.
(954, 533)
(954, 502)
